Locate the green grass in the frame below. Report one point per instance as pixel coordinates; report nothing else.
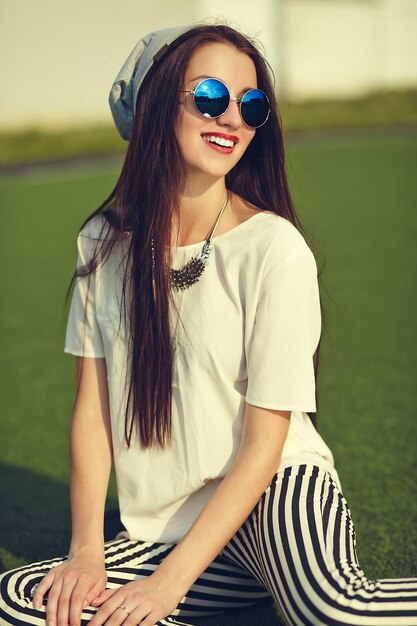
(36, 145)
(375, 110)
(357, 197)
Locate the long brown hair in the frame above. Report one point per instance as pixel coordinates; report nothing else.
(141, 208)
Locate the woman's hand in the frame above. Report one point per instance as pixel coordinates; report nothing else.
(145, 602)
(71, 587)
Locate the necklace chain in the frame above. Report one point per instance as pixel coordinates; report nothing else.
(188, 275)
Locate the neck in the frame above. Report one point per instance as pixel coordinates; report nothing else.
(199, 208)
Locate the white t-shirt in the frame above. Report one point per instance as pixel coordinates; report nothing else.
(252, 323)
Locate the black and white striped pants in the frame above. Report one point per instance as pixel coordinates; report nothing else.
(297, 546)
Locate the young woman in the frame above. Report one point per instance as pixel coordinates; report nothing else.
(196, 321)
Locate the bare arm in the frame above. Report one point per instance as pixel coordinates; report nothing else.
(82, 577)
(263, 436)
(91, 455)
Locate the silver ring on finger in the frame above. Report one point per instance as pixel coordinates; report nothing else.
(122, 606)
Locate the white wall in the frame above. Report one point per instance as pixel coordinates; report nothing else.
(59, 58)
(260, 19)
(400, 24)
(348, 47)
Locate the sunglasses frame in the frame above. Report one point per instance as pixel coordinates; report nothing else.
(237, 100)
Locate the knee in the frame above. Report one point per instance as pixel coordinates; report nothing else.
(319, 610)
(16, 592)
(333, 611)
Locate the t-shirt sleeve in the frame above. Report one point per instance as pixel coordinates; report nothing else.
(83, 335)
(285, 336)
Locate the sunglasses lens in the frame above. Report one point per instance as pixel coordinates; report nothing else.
(255, 108)
(211, 97)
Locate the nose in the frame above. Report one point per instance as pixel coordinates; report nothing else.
(231, 117)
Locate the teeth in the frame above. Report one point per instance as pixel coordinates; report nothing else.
(220, 141)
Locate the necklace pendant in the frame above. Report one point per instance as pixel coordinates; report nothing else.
(188, 275)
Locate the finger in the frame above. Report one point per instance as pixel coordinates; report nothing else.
(108, 608)
(52, 601)
(68, 584)
(151, 619)
(140, 613)
(42, 588)
(104, 595)
(78, 599)
(98, 589)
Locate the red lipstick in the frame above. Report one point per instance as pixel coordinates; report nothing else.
(216, 134)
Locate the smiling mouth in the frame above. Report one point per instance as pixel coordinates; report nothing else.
(219, 140)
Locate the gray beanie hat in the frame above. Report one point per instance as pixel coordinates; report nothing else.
(124, 92)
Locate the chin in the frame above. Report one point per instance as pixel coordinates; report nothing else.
(215, 170)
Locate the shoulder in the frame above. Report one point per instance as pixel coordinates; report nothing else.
(92, 238)
(93, 233)
(279, 240)
(285, 261)
(271, 234)
(95, 228)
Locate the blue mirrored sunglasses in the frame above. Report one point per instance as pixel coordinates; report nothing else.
(212, 99)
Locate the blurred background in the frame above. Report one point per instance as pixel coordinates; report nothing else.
(346, 81)
(337, 63)
(58, 58)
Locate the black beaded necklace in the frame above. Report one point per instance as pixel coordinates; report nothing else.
(188, 275)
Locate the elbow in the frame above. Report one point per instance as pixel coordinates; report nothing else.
(258, 461)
